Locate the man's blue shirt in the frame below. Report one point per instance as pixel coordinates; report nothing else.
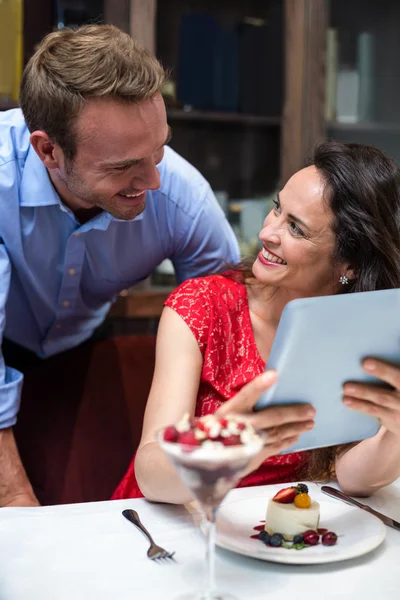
(59, 277)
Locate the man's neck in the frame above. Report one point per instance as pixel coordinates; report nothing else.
(83, 215)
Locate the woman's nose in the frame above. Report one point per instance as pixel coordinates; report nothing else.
(270, 233)
(274, 239)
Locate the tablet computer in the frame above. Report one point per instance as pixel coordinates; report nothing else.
(319, 345)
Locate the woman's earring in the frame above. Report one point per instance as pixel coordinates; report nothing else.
(344, 280)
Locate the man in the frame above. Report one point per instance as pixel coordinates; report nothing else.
(91, 201)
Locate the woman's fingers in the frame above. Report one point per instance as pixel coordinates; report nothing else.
(383, 370)
(274, 449)
(373, 394)
(275, 416)
(387, 417)
(246, 398)
(282, 424)
(375, 400)
(278, 434)
(244, 401)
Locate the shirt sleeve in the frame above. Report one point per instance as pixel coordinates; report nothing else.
(10, 379)
(190, 301)
(208, 245)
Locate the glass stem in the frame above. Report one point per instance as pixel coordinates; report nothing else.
(210, 589)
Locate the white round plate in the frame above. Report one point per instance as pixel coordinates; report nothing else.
(359, 532)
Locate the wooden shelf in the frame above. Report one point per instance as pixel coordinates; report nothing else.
(368, 126)
(223, 117)
(142, 304)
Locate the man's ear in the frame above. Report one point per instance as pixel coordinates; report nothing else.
(46, 150)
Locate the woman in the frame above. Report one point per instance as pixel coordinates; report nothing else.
(334, 229)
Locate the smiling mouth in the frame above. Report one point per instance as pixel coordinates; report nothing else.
(272, 257)
(131, 195)
(132, 199)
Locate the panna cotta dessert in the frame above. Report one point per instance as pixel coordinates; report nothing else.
(291, 512)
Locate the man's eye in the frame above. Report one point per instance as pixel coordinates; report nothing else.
(124, 168)
(277, 204)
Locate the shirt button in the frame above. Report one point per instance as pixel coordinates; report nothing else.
(71, 271)
(58, 326)
(66, 303)
(76, 234)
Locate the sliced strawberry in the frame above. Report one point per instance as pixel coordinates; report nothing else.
(285, 496)
(241, 426)
(223, 423)
(187, 438)
(170, 434)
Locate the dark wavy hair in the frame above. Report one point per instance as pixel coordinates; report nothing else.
(362, 189)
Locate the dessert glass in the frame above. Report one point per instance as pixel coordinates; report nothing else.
(210, 471)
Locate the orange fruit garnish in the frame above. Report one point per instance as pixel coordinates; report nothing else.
(302, 501)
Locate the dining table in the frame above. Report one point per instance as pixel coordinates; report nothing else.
(89, 551)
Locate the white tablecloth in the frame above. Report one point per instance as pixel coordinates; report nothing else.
(90, 552)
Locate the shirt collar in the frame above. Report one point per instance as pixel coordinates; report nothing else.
(37, 190)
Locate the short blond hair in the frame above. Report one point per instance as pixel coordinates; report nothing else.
(70, 66)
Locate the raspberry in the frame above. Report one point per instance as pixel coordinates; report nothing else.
(170, 434)
(200, 425)
(187, 438)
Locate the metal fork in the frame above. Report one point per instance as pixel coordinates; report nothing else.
(154, 552)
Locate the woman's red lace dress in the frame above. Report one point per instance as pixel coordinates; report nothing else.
(216, 310)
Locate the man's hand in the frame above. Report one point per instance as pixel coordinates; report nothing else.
(15, 487)
(282, 425)
(379, 402)
(22, 500)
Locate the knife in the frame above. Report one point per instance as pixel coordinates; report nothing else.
(330, 491)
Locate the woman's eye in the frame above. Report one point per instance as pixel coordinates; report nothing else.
(277, 204)
(295, 228)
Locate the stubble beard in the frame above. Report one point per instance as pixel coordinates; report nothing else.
(81, 191)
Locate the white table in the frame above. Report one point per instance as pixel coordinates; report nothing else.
(90, 552)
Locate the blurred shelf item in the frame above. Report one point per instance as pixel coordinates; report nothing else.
(223, 117)
(363, 38)
(11, 41)
(372, 126)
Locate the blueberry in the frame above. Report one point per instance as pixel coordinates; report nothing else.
(275, 540)
(302, 488)
(298, 539)
(264, 536)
